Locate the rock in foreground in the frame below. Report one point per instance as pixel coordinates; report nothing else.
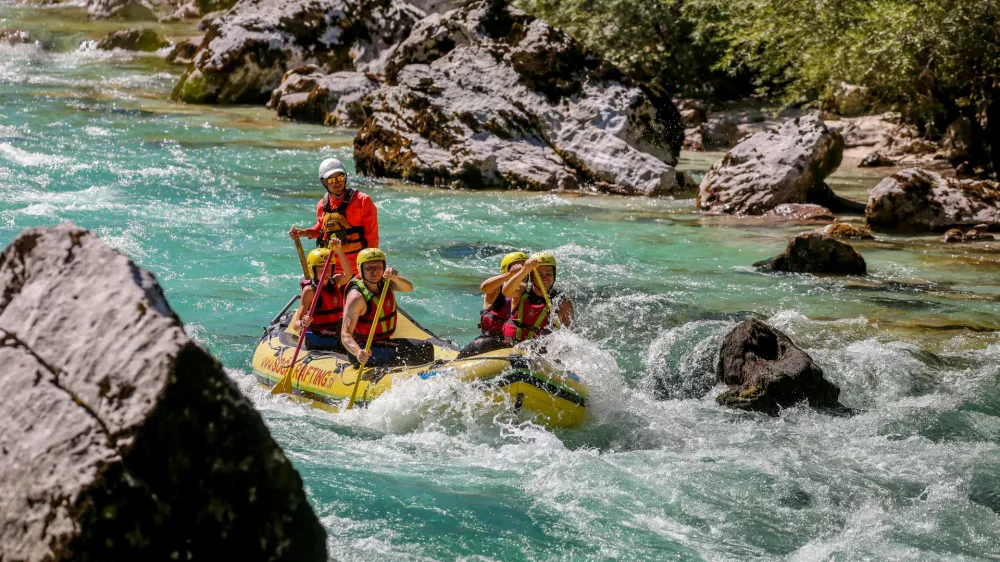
(247, 50)
(488, 96)
(773, 168)
(915, 200)
(814, 252)
(766, 372)
(123, 439)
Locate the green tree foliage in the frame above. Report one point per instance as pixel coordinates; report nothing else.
(648, 39)
(933, 60)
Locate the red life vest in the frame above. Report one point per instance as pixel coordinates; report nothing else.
(492, 319)
(529, 320)
(387, 323)
(335, 223)
(329, 311)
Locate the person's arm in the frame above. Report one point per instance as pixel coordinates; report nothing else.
(493, 287)
(566, 314)
(314, 230)
(344, 277)
(353, 310)
(399, 283)
(302, 318)
(515, 286)
(370, 222)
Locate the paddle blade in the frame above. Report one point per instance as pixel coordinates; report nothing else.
(284, 386)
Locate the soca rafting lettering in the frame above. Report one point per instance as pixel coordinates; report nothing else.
(352, 339)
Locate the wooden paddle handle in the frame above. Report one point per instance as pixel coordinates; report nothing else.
(302, 259)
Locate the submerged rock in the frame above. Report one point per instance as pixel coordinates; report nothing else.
(974, 234)
(12, 36)
(814, 252)
(123, 439)
(766, 372)
(247, 50)
(876, 160)
(915, 200)
(488, 96)
(844, 230)
(308, 94)
(133, 40)
(773, 168)
(800, 212)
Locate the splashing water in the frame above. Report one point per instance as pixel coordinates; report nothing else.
(203, 198)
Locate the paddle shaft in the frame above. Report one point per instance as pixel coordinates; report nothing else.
(368, 345)
(302, 259)
(284, 386)
(545, 295)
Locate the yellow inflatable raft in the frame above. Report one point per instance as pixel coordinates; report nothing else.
(536, 388)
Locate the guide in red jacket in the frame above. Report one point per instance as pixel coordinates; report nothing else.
(343, 212)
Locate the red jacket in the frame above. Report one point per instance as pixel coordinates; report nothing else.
(360, 211)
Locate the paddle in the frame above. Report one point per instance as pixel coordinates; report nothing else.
(284, 386)
(545, 295)
(368, 345)
(302, 259)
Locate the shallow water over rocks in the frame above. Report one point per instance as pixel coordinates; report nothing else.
(203, 197)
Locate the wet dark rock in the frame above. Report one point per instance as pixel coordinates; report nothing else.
(129, 10)
(974, 234)
(766, 372)
(876, 160)
(247, 50)
(845, 230)
(133, 40)
(122, 438)
(183, 52)
(692, 112)
(12, 36)
(915, 200)
(813, 252)
(800, 212)
(310, 95)
(209, 6)
(772, 168)
(957, 142)
(488, 96)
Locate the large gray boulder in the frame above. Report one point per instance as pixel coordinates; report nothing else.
(915, 200)
(770, 168)
(247, 50)
(122, 438)
(309, 94)
(488, 96)
(766, 372)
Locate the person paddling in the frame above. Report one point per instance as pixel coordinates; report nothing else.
(496, 308)
(323, 327)
(529, 312)
(363, 293)
(344, 213)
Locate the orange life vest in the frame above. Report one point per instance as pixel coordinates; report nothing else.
(352, 238)
(530, 320)
(387, 323)
(492, 319)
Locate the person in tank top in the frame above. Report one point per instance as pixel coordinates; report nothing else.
(530, 317)
(323, 327)
(344, 213)
(496, 308)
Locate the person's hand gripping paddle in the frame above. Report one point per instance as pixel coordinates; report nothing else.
(284, 386)
(368, 345)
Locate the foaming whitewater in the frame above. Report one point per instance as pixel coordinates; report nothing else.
(435, 470)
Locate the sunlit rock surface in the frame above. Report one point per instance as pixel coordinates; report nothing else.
(915, 200)
(488, 96)
(122, 438)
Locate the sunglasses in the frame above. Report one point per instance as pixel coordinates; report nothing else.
(336, 179)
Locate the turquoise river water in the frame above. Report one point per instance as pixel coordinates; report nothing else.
(203, 198)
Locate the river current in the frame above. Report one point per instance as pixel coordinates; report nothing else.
(203, 197)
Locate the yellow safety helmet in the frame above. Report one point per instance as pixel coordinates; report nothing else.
(510, 259)
(370, 254)
(318, 257)
(544, 258)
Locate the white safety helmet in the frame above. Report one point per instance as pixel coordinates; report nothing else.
(329, 167)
